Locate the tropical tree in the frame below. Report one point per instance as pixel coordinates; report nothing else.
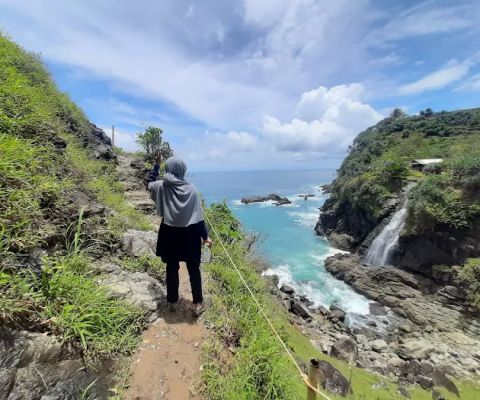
(152, 142)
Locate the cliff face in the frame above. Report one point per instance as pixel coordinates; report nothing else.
(442, 224)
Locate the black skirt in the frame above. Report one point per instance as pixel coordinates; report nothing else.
(180, 244)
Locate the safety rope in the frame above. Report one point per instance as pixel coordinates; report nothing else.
(289, 353)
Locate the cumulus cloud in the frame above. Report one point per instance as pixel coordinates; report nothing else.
(327, 121)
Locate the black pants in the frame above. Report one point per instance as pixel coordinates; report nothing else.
(173, 282)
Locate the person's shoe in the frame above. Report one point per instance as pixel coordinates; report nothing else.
(172, 307)
(198, 309)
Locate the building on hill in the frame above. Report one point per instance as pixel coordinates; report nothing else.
(420, 164)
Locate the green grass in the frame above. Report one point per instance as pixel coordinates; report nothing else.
(29, 189)
(150, 264)
(68, 301)
(242, 358)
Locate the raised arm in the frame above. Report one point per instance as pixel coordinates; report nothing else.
(153, 174)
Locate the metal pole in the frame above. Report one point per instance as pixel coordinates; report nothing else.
(313, 373)
(113, 135)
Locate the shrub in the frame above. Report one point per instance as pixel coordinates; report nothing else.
(470, 273)
(466, 170)
(433, 202)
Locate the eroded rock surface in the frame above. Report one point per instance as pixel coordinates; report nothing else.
(136, 288)
(138, 243)
(37, 366)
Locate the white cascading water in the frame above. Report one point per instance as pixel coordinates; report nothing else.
(380, 251)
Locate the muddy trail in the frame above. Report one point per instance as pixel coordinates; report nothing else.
(167, 364)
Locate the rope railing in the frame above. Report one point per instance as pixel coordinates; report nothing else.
(309, 382)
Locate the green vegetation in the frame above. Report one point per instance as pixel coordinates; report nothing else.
(470, 274)
(44, 167)
(66, 300)
(152, 142)
(378, 166)
(243, 360)
(152, 265)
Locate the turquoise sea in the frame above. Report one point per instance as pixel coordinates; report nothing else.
(287, 240)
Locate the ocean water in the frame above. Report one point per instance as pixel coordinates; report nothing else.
(286, 237)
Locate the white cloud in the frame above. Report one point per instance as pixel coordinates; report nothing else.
(471, 84)
(219, 147)
(328, 120)
(426, 18)
(452, 72)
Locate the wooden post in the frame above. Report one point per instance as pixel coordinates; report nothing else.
(312, 378)
(113, 135)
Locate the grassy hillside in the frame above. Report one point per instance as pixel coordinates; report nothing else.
(44, 168)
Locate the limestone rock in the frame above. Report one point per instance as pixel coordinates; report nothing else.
(37, 366)
(136, 288)
(301, 310)
(338, 314)
(138, 243)
(417, 349)
(379, 345)
(341, 241)
(333, 380)
(344, 349)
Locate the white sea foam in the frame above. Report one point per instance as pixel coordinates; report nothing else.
(237, 202)
(330, 291)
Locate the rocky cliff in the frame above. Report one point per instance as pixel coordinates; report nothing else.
(443, 206)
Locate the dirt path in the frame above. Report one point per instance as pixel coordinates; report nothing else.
(167, 363)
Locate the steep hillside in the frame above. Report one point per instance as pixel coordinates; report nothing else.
(61, 210)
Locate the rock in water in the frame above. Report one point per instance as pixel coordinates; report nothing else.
(271, 197)
(287, 289)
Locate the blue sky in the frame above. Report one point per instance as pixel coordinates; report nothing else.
(254, 84)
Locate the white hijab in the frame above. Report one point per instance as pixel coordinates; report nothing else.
(177, 200)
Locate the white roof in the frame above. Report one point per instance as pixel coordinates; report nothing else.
(426, 161)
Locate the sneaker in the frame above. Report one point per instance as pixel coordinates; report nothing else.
(198, 309)
(172, 307)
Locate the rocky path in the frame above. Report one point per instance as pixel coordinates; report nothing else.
(167, 365)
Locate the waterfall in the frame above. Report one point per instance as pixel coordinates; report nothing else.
(380, 251)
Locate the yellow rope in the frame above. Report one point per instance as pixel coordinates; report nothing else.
(304, 377)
